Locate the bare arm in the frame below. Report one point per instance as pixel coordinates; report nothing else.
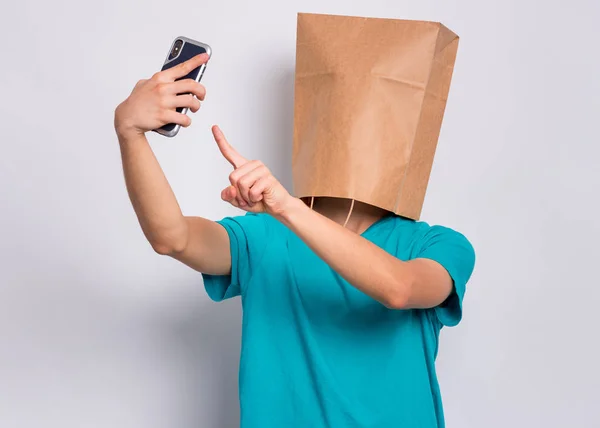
(200, 243)
(420, 283)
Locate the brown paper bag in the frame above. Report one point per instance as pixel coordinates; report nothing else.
(369, 100)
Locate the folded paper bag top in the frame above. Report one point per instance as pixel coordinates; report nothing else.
(369, 100)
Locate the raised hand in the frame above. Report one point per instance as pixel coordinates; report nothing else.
(253, 188)
(152, 102)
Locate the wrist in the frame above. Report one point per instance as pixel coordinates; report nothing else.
(128, 136)
(290, 210)
(130, 139)
(125, 130)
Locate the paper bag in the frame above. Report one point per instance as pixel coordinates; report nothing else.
(369, 99)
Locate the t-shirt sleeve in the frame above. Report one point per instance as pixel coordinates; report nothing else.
(247, 242)
(456, 254)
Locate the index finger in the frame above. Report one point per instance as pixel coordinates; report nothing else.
(233, 157)
(186, 67)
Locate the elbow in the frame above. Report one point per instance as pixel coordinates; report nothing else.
(398, 297)
(168, 248)
(168, 241)
(160, 248)
(396, 301)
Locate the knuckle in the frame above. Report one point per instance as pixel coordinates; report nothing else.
(161, 88)
(243, 182)
(186, 67)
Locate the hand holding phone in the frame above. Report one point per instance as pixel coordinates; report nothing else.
(160, 103)
(182, 50)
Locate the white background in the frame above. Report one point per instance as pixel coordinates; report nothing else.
(96, 330)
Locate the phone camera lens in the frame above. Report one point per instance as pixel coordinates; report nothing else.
(176, 48)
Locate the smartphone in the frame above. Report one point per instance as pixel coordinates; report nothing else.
(181, 50)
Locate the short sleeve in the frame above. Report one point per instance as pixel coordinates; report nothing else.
(456, 254)
(247, 242)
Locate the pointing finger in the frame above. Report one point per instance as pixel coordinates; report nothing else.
(228, 152)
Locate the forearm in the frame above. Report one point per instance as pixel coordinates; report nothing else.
(363, 264)
(419, 283)
(151, 195)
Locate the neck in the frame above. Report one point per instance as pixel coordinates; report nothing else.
(336, 209)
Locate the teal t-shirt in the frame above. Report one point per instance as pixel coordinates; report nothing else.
(317, 352)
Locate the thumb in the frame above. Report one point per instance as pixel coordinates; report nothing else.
(229, 194)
